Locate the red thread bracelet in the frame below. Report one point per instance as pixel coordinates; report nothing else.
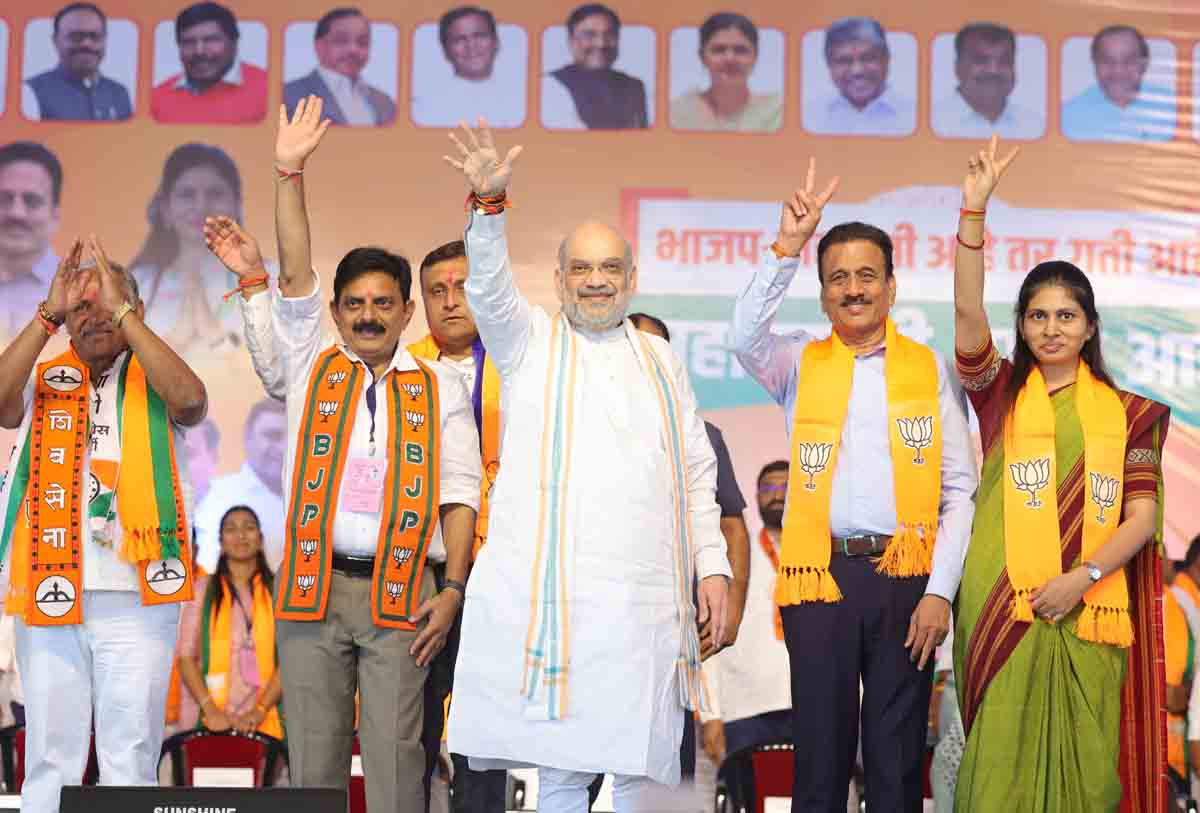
(970, 246)
(964, 212)
(489, 205)
(287, 174)
(246, 283)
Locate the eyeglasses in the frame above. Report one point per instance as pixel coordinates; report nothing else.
(773, 488)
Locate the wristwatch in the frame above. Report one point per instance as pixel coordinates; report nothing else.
(1094, 572)
(121, 313)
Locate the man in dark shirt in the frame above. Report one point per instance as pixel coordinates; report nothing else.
(604, 99)
(74, 89)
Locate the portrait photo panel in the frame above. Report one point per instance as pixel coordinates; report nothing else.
(118, 64)
(443, 93)
(380, 73)
(884, 90)
(766, 82)
(1024, 108)
(636, 58)
(1088, 88)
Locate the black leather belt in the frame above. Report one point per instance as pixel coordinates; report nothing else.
(867, 545)
(359, 567)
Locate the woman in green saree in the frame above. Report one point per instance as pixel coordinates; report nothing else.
(1058, 640)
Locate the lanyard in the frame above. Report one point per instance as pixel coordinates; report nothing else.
(371, 404)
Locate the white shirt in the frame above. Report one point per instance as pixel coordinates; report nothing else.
(755, 671)
(299, 340)
(243, 487)
(455, 99)
(558, 106)
(887, 114)
(19, 297)
(954, 118)
(351, 96)
(103, 569)
(624, 713)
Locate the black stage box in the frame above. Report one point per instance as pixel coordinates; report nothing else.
(100, 799)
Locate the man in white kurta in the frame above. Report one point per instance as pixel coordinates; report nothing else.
(623, 712)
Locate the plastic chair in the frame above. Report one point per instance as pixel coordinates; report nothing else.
(200, 748)
(772, 767)
(358, 789)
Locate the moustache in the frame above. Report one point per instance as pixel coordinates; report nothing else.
(14, 223)
(855, 300)
(85, 51)
(372, 328)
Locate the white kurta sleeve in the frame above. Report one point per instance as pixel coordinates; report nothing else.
(712, 679)
(258, 322)
(767, 356)
(296, 322)
(502, 315)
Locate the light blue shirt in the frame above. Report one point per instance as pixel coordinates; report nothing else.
(863, 499)
(1091, 116)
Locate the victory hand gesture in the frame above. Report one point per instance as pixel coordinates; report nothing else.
(480, 162)
(66, 288)
(236, 249)
(297, 139)
(802, 213)
(983, 173)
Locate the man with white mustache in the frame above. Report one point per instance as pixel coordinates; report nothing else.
(580, 649)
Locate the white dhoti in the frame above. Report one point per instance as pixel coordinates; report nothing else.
(117, 664)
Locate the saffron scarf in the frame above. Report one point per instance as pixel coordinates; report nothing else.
(216, 646)
(547, 651)
(410, 491)
(485, 398)
(47, 500)
(1031, 501)
(826, 374)
(764, 539)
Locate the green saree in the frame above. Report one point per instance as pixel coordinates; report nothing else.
(1052, 723)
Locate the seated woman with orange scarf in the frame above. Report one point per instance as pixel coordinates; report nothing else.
(227, 638)
(1058, 646)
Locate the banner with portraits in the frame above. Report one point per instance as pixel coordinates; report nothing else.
(685, 125)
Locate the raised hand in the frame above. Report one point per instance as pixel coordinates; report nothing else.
(802, 213)
(983, 173)
(480, 161)
(114, 288)
(234, 247)
(67, 286)
(297, 139)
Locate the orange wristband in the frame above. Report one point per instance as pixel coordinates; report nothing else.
(250, 282)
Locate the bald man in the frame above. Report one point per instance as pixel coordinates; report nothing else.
(579, 649)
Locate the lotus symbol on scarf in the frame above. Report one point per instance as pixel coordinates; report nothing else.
(414, 390)
(305, 583)
(814, 457)
(335, 378)
(308, 547)
(401, 555)
(1031, 477)
(395, 590)
(415, 419)
(1104, 492)
(327, 409)
(917, 434)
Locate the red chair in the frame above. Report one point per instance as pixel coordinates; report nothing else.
(774, 768)
(358, 789)
(199, 748)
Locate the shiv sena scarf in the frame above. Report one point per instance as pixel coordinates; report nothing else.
(547, 651)
(410, 493)
(216, 646)
(48, 500)
(914, 429)
(1031, 500)
(485, 398)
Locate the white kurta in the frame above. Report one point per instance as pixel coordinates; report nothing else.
(623, 710)
(755, 671)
